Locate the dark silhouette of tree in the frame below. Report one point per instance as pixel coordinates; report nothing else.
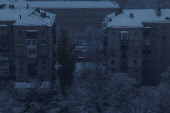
(65, 60)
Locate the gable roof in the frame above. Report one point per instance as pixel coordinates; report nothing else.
(35, 18)
(29, 16)
(139, 16)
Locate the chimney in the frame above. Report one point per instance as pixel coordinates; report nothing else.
(43, 14)
(20, 16)
(131, 15)
(27, 6)
(11, 6)
(159, 11)
(38, 10)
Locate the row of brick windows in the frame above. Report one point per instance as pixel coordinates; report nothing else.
(87, 13)
(31, 42)
(123, 63)
(135, 71)
(31, 51)
(156, 29)
(42, 32)
(113, 34)
(21, 61)
(113, 53)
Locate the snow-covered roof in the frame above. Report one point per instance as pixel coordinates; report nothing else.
(29, 16)
(35, 18)
(66, 4)
(139, 16)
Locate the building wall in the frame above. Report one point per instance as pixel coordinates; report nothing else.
(159, 55)
(127, 61)
(78, 19)
(37, 66)
(6, 47)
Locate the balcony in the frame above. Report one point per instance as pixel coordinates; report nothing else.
(146, 31)
(32, 55)
(31, 34)
(32, 61)
(124, 44)
(124, 35)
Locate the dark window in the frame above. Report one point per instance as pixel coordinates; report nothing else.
(43, 42)
(20, 32)
(42, 32)
(136, 71)
(21, 69)
(21, 61)
(164, 29)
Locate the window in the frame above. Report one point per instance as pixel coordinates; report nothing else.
(112, 71)
(136, 34)
(164, 38)
(155, 29)
(135, 71)
(163, 64)
(113, 43)
(135, 52)
(163, 47)
(112, 61)
(153, 73)
(124, 36)
(43, 61)
(42, 51)
(34, 42)
(3, 27)
(42, 32)
(21, 61)
(31, 51)
(123, 70)
(113, 34)
(20, 42)
(124, 53)
(112, 52)
(21, 69)
(4, 55)
(154, 46)
(153, 64)
(163, 55)
(154, 55)
(20, 51)
(135, 44)
(43, 42)
(31, 42)
(19, 32)
(135, 62)
(164, 29)
(123, 63)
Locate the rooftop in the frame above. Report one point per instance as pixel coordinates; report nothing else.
(64, 4)
(29, 16)
(139, 16)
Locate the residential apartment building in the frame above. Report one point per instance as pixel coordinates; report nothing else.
(30, 33)
(136, 43)
(76, 16)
